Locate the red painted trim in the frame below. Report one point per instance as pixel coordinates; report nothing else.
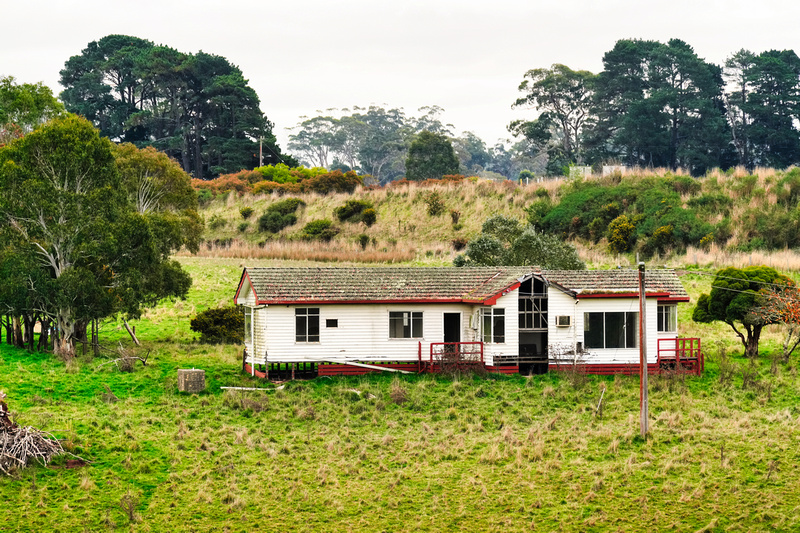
(674, 299)
(252, 287)
(623, 295)
(249, 371)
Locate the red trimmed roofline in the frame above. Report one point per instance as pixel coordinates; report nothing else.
(622, 295)
(252, 287)
(394, 301)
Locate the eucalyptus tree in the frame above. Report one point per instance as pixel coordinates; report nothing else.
(563, 98)
(68, 220)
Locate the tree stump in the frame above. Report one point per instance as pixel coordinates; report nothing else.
(193, 380)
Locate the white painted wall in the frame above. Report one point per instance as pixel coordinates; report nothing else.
(562, 304)
(363, 332)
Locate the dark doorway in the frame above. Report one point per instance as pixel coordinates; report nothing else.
(452, 327)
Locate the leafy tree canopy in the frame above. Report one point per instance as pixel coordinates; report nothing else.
(24, 106)
(733, 299)
(506, 241)
(431, 156)
(198, 108)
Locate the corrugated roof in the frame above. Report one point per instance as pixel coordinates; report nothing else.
(437, 284)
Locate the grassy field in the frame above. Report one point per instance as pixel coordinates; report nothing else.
(387, 453)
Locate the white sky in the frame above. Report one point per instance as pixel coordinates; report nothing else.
(466, 56)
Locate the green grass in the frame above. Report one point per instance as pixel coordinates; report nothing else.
(408, 453)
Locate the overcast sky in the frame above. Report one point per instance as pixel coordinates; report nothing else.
(466, 56)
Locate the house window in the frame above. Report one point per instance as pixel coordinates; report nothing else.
(610, 330)
(494, 325)
(306, 320)
(405, 324)
(533, 313)
(248, 325)
(332, 323)
(668, 318)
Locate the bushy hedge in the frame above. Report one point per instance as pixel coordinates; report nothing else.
(280, 215)
(356, 211)
(220, 325)
(319, 229)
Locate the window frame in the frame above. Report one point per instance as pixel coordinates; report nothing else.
(496, 317)
(249, 320)
(620, 340)
(667, 315)
(411, 324)
(309, 317)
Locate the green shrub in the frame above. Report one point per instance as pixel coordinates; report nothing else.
(243, 227)
(597, 228)
(219, 325)
(363, 240)
(286, 206)
(685, 185)
(246, 212)
(352, 210)
(280, 215)
(621, 235)
(435, 203)
(204, 196)
(369, 216)
(319, 229)
(274, 222)
(216, 222)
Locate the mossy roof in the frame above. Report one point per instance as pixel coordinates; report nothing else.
(474, 285)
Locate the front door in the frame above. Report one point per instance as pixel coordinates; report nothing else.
(452, 327)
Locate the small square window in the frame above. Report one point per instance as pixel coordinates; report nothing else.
(331, 322)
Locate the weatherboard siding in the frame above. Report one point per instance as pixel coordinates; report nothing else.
(510, 347)
(561, 304)
(362, 333)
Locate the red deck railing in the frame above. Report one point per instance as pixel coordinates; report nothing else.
(681, 354)
(452, 356)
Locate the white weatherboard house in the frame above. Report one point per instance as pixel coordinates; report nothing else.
(517, 319)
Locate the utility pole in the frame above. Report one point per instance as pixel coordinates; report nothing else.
(260, 151)
(643, 399)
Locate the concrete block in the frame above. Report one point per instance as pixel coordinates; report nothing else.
(193, 380)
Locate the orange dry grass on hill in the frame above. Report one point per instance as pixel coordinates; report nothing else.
(308, 251)
(717, 257)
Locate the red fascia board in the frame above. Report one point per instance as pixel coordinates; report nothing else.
(674, 299)
(394, 301)
(493, 300)
(622, 295)
(238, 290)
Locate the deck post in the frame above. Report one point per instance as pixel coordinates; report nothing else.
(643, 398)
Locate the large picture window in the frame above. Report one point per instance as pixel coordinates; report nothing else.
(494, 325)
(668, 318)
(405, 324)
(306, 320)
(610, 330)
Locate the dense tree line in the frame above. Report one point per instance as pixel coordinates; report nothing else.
(197, 108)
(660, 105)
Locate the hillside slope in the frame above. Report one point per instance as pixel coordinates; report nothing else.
(722, 218)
